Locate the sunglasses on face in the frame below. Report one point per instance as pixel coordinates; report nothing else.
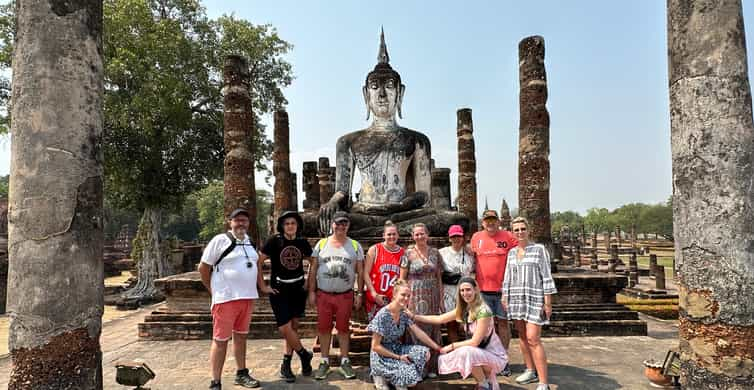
(523, 229)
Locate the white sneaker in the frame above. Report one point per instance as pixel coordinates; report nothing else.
(543, 386)
(528, 376)
(431, 375)
(380, 383)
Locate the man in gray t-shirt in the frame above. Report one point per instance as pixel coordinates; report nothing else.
(336, 261)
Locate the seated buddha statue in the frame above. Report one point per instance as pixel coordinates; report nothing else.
(393, 163)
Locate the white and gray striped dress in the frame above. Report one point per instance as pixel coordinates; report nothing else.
(526, 283)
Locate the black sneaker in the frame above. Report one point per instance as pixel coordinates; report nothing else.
(215, 385)
(306, 361)
(505, 372)
(285, 370)
(244, 379)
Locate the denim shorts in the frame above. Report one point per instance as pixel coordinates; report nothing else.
(492, 299)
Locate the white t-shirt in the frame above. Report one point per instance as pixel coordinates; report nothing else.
(233, 279)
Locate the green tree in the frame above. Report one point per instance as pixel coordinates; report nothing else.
(4, 186)
(658, 219)
(559, 219)
(629, 215)
(598, 220)
(163, 107)
(7, 38)
(209, 205)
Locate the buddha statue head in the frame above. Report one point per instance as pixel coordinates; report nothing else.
(383, 91)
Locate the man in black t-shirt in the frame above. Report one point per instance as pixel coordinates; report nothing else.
(287, 251)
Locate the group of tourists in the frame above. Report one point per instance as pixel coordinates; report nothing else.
(475, 288)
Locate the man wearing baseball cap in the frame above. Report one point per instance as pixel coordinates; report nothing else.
(337, 261)
(229, 270)
(491, 246)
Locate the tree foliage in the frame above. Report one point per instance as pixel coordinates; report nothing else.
(163, 107)
(7, 38)
(646, 219)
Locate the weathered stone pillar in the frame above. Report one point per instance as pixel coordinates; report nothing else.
(326, 180)
(281, 164)
(294, 191)
(633, 270)
(311, 186)
(594, 241)
(618, 235)
(607, 241)
(595, 263)
(238, 128)
(577, 254)
(713, 199)
(55, 291)
(505, 216)
(441, 188)
(467, 196)
(534, 140)
(652, 264)
(660, 280)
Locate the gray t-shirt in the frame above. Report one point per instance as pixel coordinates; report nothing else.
(336, 267)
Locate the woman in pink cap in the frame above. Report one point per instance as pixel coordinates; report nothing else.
(458, 261)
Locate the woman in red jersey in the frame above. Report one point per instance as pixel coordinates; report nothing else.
(382, 266)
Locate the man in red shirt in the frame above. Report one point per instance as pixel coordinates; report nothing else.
(491, 247)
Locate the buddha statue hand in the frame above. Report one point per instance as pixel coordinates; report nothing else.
(327, 210)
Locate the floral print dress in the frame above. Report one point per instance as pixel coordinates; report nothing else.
(426, 292)
(395, 371)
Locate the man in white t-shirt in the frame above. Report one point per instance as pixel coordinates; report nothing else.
(230, 272)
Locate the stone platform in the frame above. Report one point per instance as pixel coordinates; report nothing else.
(584, 306)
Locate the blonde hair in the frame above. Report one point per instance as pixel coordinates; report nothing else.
(473, 306)
(419, 225)
(520, 220)
(399, 283)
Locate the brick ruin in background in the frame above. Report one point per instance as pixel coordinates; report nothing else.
(467, 189)
(534, 140)
(281, 166)
(310, 184)
(238, 133)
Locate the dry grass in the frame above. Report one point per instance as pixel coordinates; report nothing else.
(661, 308)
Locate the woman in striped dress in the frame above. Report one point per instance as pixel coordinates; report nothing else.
(527, 298)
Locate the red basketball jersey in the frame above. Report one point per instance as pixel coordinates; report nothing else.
(385, 271)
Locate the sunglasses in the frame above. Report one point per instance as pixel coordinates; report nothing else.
(519, 230)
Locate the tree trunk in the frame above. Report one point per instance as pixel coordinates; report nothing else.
(152, 260)
(55, 289)
(712, 134)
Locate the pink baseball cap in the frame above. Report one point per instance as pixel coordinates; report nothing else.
(455, 230)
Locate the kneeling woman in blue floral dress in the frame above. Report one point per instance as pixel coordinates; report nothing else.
(390, 360)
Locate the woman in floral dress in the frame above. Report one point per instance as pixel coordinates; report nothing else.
(422, 268)
(390, 361)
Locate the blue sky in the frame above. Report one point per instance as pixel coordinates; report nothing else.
(606, 64)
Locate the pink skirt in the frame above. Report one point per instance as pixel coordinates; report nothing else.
(464, 359)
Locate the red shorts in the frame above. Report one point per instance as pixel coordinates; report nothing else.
(231, 317)
(338, 305)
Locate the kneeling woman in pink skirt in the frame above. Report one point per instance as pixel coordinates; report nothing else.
(481, 354)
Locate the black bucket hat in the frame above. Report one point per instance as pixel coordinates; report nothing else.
(291, 214)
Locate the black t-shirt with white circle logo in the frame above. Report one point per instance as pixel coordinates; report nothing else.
(286, 256)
